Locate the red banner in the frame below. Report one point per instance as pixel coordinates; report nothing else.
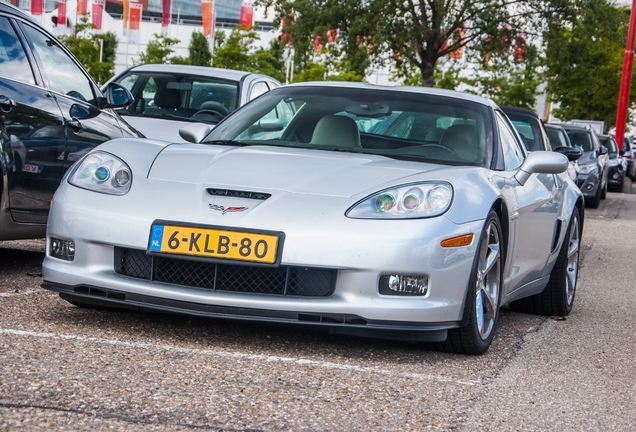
(96, 15)
(207, 15)
(135, 20)
(82, 7)
(247, 15)
(166, 15)
(61, 15)
(37, 7)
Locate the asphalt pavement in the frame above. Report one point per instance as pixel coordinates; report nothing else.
(71, 369)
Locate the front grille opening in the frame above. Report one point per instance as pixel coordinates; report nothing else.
(283, 280)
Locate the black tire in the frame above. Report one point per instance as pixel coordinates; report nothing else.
(595, 201)
(558, 296)
(483, 299)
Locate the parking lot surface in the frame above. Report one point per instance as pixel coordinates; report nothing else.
(66, 368)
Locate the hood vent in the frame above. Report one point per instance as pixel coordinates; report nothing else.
(239, 194)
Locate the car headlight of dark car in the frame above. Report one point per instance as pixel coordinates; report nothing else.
(411, 201)
(588, 169)
(102, 172)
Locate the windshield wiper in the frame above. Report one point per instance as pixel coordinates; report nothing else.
(228, 142)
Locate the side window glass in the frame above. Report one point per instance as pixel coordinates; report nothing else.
(13, 60)
(258, 89)
(63, 74)
(512, 155)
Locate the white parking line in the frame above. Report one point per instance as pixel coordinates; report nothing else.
(25, 292)
(242, 356)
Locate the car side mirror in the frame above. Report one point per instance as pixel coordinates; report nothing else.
(603, 150)
(541, 162)
(572, 153)
(622, 152)
(195, 132)
(116, 96)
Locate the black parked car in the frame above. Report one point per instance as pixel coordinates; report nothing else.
(617, 163)
(593, 165)
(559, 138)
(535, 136)
(51, 114)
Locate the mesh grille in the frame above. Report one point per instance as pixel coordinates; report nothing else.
(284, 280)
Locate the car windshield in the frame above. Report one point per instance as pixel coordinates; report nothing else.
(529, 129)
(558, 137)
(179, 96)
(582, 139)
(399, 124)
(609, 142)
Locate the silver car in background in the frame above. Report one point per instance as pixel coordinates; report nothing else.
(399, 212)
(168, 97)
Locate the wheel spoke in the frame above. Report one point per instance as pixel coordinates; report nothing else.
(488, 280)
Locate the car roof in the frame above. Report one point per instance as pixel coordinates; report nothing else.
(227, 74)
(553, 126)
(408, 89)
(518, 110)
(576, 127)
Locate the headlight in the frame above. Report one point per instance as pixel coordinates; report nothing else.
(411, 201)
(102, 172)
(588, 169)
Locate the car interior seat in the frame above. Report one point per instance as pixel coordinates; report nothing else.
(464, 141)
(336, 130)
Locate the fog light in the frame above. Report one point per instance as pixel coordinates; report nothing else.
(62, 249)
(589, 187)
(403, 285)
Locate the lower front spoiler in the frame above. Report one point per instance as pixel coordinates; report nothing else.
(337, 323)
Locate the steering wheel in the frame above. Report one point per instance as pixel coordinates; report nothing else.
(208, 115)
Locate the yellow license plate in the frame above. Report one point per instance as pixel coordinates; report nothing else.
(221, 243)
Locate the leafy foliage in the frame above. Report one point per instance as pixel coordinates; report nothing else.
(159, 50)
(199, 50)
(584, 62)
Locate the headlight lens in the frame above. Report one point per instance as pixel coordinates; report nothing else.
(102, 172)
(405, 202)
(588, 169)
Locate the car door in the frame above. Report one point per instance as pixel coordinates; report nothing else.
(34, 123)
(533, 220)
(86, 126)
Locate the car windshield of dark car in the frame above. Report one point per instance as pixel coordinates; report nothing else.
(582, 139)
(529, 129)
(399, 124)
(179, 96)
(610, 144)
(557, 137)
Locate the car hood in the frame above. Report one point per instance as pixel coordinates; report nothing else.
(292, 170)
(587, 158)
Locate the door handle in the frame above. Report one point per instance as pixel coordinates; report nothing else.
(6, 104)
(74, 124)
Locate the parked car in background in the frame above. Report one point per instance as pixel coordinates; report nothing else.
(593, 165)
(617, 163)
(630, 157)
(168, 97)
(559, 138)
(51, 114)
(302, 208)
(534, 135)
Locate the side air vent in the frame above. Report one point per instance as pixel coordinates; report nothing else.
(238, 194)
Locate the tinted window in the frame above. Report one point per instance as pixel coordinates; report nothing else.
(582, 139)
(557, 137)
(63, 74)
(529, 129)
(13, 60)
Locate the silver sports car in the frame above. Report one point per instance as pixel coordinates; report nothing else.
(384, 211)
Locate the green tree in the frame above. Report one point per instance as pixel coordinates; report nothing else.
(159, 50)
(584, 62)
(95, 51)
(199, 50)
(409, 34)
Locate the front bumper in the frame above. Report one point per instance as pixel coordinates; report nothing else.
(589, 184)
(359, 252)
